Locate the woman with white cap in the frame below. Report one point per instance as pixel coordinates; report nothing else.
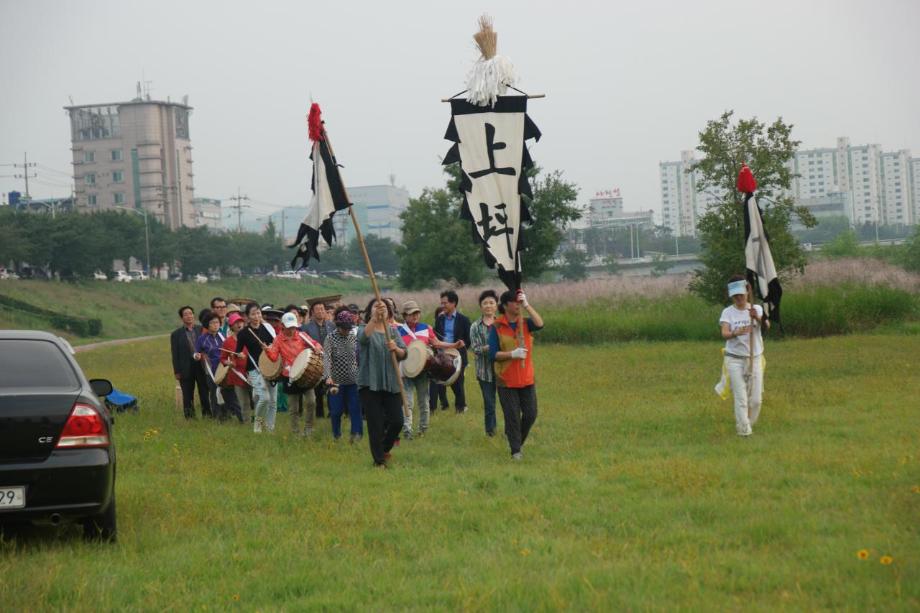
(741, 325)
(288, 345)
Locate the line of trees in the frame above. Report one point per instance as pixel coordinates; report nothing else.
(75, 245)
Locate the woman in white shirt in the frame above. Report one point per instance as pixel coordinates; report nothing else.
(746, 376)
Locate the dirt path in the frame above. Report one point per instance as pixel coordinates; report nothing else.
(119, 341)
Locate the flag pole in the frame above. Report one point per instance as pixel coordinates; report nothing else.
(371, 276)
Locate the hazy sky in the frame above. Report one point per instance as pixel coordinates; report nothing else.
(628, 84)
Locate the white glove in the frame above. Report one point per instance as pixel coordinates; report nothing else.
(522, 298)
(519, 354)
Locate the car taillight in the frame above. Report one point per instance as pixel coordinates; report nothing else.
(84, 428)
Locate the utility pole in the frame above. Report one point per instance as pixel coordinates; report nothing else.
(239, 206)
(25, 172)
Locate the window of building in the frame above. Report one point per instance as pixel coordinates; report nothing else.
(89, 178)
(91, 199)
(116, 155)
(89, 157)
(119, 198)
(118, 176)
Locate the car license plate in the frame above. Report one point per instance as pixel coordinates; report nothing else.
(12, 497)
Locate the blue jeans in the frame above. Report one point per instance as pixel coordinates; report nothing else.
(348, 395)
(488, 404)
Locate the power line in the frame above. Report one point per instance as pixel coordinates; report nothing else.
(239, 206)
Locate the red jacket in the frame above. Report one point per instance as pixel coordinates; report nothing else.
(236, 364)
(290, 348)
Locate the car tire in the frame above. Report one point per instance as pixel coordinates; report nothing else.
(102, 527)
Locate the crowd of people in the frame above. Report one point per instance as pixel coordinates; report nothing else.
(248, 361)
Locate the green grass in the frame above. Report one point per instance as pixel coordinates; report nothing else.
(149, 307)
(634, 493)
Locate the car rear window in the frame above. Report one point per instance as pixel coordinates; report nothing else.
(35, 363)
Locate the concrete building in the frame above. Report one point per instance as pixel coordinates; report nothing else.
(208, 213)
(377, 208)
(860, 182)
(876, 184)
(915, 187)
(681, 203)
(605, 205)
(134, 154)
(605, 210)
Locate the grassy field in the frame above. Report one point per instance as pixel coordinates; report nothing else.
(634, 493)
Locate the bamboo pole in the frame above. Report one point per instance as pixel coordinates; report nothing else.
(372, 276)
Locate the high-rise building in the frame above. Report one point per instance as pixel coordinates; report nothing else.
(860, 182)
(915, 187)
(681, 203)
(134, 154)
(877, 184)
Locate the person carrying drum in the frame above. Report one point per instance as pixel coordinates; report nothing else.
(740, 323)
(288, 345)
(255, 337)
(235, 385)
(511, 347)
(414, 331)
(340, 372)
(207, 351)
(378, 383)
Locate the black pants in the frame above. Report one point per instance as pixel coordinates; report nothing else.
(459, 391)
(436, 392)
(519, 404)
(232, 406)
(199, 379)
(320, 392)
(383, 412)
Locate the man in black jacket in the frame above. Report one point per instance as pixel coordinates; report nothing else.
(452, 326)
(188, 371)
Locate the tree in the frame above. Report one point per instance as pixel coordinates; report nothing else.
(553, 208)
(574, 265)
(612, 264)
(436, 243)
(660, 265)
(381, 251)
(911, 255)
(844, 244)
(767, 150)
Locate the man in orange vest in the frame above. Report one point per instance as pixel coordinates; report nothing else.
(511, 347)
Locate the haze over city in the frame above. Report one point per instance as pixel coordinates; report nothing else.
(627, 85)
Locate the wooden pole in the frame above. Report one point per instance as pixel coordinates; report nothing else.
(372, 277)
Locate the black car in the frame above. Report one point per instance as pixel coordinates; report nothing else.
(57, 455)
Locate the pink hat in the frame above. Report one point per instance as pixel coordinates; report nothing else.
(234, 317)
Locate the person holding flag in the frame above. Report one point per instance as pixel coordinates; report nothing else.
(742, 323)
(511, 348)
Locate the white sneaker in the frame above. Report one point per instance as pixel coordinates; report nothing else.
(517, 456)
(257, 425)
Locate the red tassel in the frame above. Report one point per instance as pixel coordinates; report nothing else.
(315, 122)
(746, 181)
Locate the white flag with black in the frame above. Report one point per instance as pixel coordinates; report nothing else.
(761, 271)
(329, 195)
(489, 144)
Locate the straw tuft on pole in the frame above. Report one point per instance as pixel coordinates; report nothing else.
(486, 38)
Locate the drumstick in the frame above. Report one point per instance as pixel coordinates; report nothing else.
(239, 355)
